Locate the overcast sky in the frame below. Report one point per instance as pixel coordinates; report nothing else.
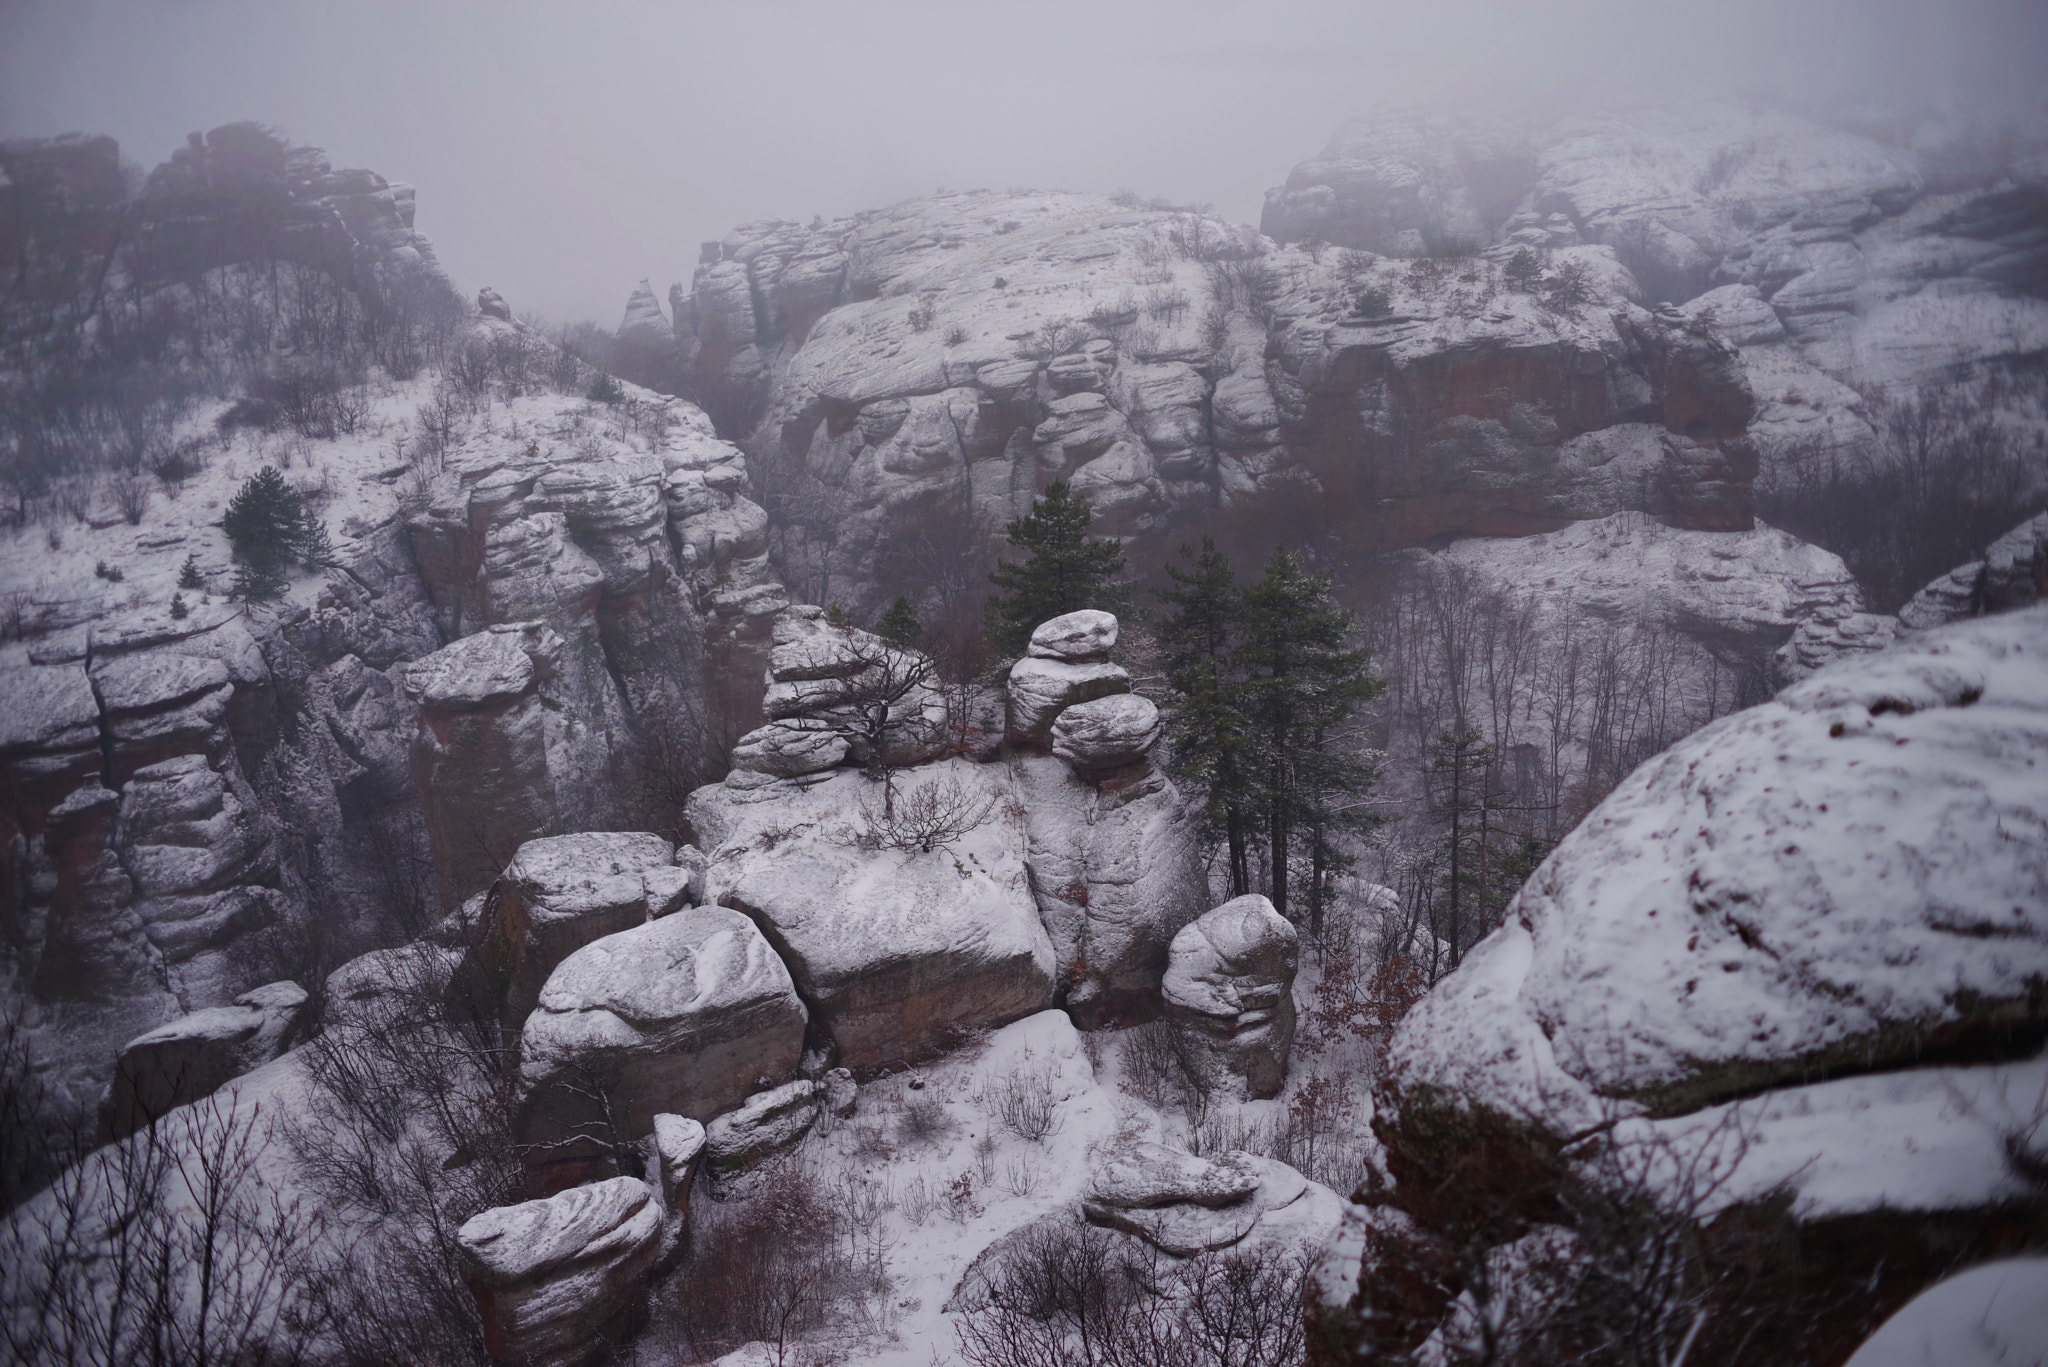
(561, 152)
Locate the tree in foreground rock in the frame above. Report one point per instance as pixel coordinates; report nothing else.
(1205, 722)
(1066, 570)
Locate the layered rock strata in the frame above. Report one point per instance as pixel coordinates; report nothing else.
(1229, 991)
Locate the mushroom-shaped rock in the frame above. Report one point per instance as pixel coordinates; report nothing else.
(1229, 990)
(1040, 689)
(562, 892)
(1106, 733)
(1181, 1204)
(737, 1143)
(790, 749)
(195, 1055)
(1076, 637)
(557, 1279)
(677, 1016)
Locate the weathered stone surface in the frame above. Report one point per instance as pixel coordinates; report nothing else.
(1116, 874)
(385, 985)
(677, 1143)
(2012, 574)
(194, 1055)
(1040, 690)
(1229, 989)
(1184, 1205)
(1106, 733)
(562, 892)
(790, 749)
(1827, 910)
(558, 1279)
(480, 753)
(770, 1124)
(678, 1016)
(1076, 637)
(892, 949)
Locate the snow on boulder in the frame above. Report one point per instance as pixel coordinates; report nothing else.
(561, 892)
(893, 948)
(790, 749)
(677, 1016)
(559, 1279)
(1076, 637)
(1106, 733)
(1041, 689)
(1993, 1315)
(195, 1055)
(769, 1124)
(1229, 991)
(2012, 574)
(1182, 1205)
(677, 1143)
(1846, 877)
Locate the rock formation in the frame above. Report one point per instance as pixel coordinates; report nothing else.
(1815, 920)
(1184, 1205)
(193, 1055)
(559, 1279)
(768, 1125)
(1229, 991)
(678, 1017)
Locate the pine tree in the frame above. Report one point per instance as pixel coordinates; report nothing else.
(1205, 719)
(189, 576)
(269, 527)
(1522, 271)
(1066, 571)
(899, 625)
(178, 609)
(1302, 683)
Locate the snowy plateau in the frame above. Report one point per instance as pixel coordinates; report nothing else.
(598, 884)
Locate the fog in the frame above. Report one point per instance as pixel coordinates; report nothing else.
(562, 152)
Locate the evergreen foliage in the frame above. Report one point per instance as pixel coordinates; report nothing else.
(178, 609)
(1264, 685)
(1522, 271)
(1065, 572)
(899, 625)
(269, 527)
(189, 576)
(605, 389)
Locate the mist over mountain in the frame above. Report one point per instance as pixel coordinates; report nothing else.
(1376, 693)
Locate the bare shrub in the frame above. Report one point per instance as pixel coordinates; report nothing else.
(1027, 1104)
(131, 495)
(929, 817)
(923, 1119)
(1073, 1294)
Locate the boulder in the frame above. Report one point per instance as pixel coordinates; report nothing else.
(559, 894)
(559, 1280)
(790, 749)
(1821, 923)
(388, 985)
(1183, 1205)
(1040, 689)
(1076, 637)
(892, 949)
(676, 1145)
(1229, 991)
(1106, 733)
(678, 1016)
(195, 1055)
(768, 1125)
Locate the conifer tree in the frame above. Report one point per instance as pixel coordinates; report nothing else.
(1065, 572)
(189, 576)
(1205, 721)
(1302, 681)
(899, 625)
(269, 526)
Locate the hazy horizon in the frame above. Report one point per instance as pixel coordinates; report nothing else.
(561, 155)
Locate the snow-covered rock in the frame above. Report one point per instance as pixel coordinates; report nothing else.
(1106, 733)
(768, 1125)
(2012, 574)
(1184, 1205)
(556, 1279)
(1229, 990)
(1986, 1316)
(1040, 689)
(1076, 637)
(678, 1016)
(891, 948)
(560, 893)
(1817, 925)
(678, 1142)
(790, 749)
(194, 1055)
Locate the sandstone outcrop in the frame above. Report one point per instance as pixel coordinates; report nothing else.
(2012, 574)
(1040, 689)
(1105, 734)
(1229, 990)
(677, 1144)
(890, 948)
(1815, 919)
(1183, 1205)
(677, 1017)
(560, 1280)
